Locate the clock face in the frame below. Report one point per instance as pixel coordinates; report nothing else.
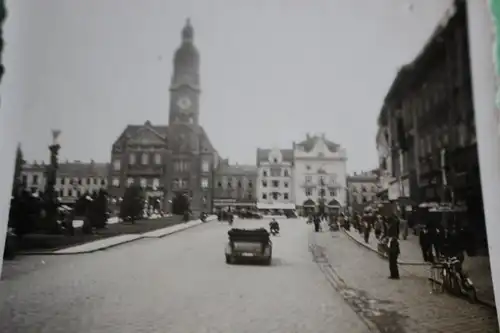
(184, 103)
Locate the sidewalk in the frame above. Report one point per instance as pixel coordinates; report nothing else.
(478, 268)
(107, 243)
(406, 305)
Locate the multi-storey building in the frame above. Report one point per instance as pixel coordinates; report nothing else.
(275, 179)
(362, 189)
(175, 162)
(319, 174)
(235, 186)
(73, 179)
(429, 114)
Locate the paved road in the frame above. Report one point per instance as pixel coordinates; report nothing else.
(179, 283)
(403, 306)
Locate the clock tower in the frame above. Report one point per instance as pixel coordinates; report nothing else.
(185, 85)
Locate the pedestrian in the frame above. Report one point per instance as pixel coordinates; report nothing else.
(317, 221)
(378, 227)
(394, 252)
(367, 229)
(425, 244)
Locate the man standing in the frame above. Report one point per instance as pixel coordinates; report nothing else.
(425, 244)
(393, 258)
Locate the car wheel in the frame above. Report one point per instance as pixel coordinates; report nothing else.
(228, 259)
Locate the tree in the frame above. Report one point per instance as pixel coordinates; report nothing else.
(133, 203)
(99, 207)
(18, 168)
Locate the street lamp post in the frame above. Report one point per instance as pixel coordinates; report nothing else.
(51, 176)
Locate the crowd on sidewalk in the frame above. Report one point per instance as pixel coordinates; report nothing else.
(425, 244)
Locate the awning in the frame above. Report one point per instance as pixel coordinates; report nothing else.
(333, 204)
(277, 205)
(309, 204)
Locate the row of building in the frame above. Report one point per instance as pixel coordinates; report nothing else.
(310, 175)
(178, 162)
(426, 136)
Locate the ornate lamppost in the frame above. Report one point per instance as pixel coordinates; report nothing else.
(50, 197)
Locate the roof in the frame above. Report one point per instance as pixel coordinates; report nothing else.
(310, 141)
(237, 169)
(73, 169)
(163, 130)
(263, 154)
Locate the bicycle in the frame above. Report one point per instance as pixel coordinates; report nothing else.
(454, 280)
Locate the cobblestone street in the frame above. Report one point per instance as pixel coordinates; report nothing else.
(179, 283)
(402, 306)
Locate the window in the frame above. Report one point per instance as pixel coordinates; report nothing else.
(144, 182)
(264, 173)
(219, 184)
(156, 183)
(239, 184)
(116, 182)
(130, 181)
(264, 183)
(89, 181)
(79, 181)
(275, 172)
(276, 183)
(103, 182)
(275, 160)
(285, 173)
(25, 180)
(117, 165)
(35, 179)
(175, 183)
(157, 158)
(308, 192)
(250, 184)
(275, 195)
(308, 167)
(264, 196)
(205, 166)
(250, 196)
(285, 196)
(131, 159)
(285, 184)
(308, 179)
(144, 159)
(332, 193)
(204, 183)
(322, 192)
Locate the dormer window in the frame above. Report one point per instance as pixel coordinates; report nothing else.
(275, 160)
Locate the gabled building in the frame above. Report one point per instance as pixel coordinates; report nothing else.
(275, 179)
(362, 189)
(319, 180)
(173, 162)
(73, 179)
(235, 186)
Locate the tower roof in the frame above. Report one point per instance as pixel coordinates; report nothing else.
(188, 31)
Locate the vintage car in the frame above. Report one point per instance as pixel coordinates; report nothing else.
(249, 244)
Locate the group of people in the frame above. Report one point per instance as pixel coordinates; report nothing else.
(437, 241)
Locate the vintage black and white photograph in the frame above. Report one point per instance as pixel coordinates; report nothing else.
(249, 166)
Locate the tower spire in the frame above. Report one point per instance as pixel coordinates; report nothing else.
(188, 31)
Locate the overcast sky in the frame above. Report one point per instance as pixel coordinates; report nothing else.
(271, 71)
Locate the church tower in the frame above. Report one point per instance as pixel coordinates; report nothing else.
(185, 85)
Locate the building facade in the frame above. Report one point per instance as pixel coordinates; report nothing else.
(362, 189)
(429, 114)
(235, 186)
(173, 162)
(73, 179)
(319, 174)
(275, 179)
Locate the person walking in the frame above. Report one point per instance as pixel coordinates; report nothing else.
(317, 222)
(425, 244)
(394, 252)
(367, 228)
(378, 227)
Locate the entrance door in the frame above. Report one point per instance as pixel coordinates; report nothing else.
(180, 203)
